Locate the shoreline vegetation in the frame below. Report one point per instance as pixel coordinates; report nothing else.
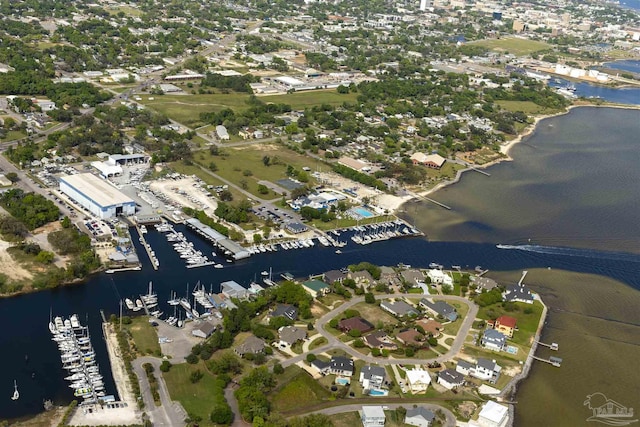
(507, 146)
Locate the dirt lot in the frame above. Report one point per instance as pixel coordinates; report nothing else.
(9, 266)
(184, 192)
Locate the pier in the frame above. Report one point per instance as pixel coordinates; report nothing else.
(428, 199)
(478, 170)
(555, 361)
(553, 346)
(202, 264)
(147, 247)
(524, 274)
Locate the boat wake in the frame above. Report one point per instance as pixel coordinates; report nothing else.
(573, 252)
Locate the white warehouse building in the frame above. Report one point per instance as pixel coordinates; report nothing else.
(97, 195)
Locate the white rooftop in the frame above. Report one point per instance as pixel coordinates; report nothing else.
(96, 189)
(494, 412)
(418, 376)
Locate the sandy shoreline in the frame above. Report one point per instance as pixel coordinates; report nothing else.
(506, 148)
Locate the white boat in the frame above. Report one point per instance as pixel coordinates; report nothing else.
(138, 306)
(16, 394)
(218, 266)
(143, 229)
(130, 305)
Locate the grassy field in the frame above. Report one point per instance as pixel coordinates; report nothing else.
(318, 342)
(374, 314)
(197, 398)
(513, 45)
(186, 109)
(246, 164)
(144, 336)
(13, 135)
(527, 107)
(299, 392)
(528, 317)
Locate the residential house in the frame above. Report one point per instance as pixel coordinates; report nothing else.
(431, 327)
(418, 380)
(222, 133)
(204, 330)
(388, 275)
(412, 338)
(372, 416)
(450, 379)
(464, 367)
(439, 277)
(316, 288)
(341, 366)
(518, 293)
(399, 308)
(493, 340)
(246, 133)
(484, 283)
(357, 323)
(486, 370)
(440, 308)
(289, 335)
(413, 277)
(363, 278)
(380, 340)
(506, 325)
(332, 276)
(419, 416)
(285, 310)
(372, 377)
(492, 414)
(252, 344)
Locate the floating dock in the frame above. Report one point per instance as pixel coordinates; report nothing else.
(147, 248)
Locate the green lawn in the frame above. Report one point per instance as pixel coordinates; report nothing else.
(514, 45)
(301, 391)
(187, 109)
(527, 322)
(144, 336)
(13, 135)
(246, 164)
(527, 107)
(198, 398)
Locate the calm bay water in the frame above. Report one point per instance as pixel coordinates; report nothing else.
(573, 189)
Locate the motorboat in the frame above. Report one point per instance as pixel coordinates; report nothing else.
(16, 394)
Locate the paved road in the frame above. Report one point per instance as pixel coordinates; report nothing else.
(334, 342)
(450, 420)
(170, 413)
(233, 404)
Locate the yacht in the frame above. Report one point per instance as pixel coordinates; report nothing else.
(16, 394)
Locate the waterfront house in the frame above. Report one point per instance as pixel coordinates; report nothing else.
(388, 275)
(413, 277)
(399, 308)
(362, 278)
(379, 340)
(518, 293)
(483, 283)
(450, 379)
(486, 370)
(232, 289)
(506, 325)
(285, 310)
(434, 161)
(252, 344)
(355, 323)
(440, 308)
(289, 335)
(411, 337)
(372, 377)
(418, 380)
(333, 276)
(316, 288)
(431, 327)
(204, 330)
(419, 417)
(372, 416)
(492, 414)
(439, 277)
(493, 340)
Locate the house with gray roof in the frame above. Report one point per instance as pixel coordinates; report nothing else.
(420, 417)
(289, 335)
(362, 277)
(464, 367)
(484, 283)
(372, 416)
(388, 275)
(380, 340)
(450, 379)
(204, 330)
(486, 370)
(341, 366)
(399, 308)
(518, 293)
(440, 308)
(413, 277)
(252, 344)
(372, 377)
(334, 276)
(493, 340)
(232, 289)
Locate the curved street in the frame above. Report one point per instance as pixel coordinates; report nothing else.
(170, 413)
(334, 342)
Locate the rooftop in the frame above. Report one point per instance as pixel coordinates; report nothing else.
(96, 189)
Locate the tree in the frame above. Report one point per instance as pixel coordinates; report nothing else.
(266, 160)
(12, 176)
(278, 369)
(311, 357)
(369, 298)
(213, 167)
(165, 366)
(222, 414)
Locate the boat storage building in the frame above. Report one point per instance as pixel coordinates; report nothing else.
(97, 195)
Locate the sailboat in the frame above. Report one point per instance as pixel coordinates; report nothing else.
(16, 395)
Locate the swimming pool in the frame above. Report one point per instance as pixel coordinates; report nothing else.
(343, 381)
(376, 392)
(364, 213)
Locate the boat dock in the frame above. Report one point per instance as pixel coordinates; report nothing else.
(553, 346)
(555, 361)
(147, 248)
(202, 264)
(116, 270)
(524, 274)
(228, 246)
(428, 199)
(478, 170)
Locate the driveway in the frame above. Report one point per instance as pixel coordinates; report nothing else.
(170, 413)
(335, 343)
